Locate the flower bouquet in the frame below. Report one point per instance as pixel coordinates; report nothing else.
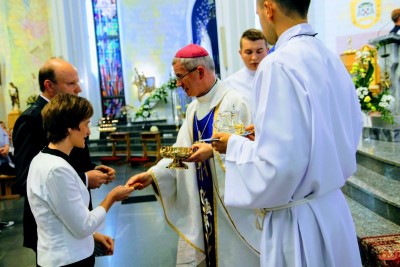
(160, 93)
(126, 110)
(143, 111)
(373, 94)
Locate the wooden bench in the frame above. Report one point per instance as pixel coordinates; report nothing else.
(121, 137)
(6, 181)
(115, 138)
(155, 138)
(148, 139)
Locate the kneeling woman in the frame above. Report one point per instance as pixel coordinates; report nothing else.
(57, 196)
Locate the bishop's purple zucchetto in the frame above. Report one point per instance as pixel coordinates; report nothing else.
(191, 51)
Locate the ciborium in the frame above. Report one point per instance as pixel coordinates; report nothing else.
(177, 154)
(229, 122)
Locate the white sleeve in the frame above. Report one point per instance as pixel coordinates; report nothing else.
(66, 202)
(267, 171)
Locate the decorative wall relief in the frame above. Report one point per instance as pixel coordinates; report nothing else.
(365, 13)
(29, 42)
(145, 85)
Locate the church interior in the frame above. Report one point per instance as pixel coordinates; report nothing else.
(123, 49)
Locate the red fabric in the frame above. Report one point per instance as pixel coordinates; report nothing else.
(191, 51)
(381, 251)
(138, 159)
(110, 159)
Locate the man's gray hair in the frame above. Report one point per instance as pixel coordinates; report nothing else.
(191, 63)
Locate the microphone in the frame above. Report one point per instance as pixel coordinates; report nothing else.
(384, 26)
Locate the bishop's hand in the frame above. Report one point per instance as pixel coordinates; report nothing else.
(201, 152)
(222, 143)
(140, 181)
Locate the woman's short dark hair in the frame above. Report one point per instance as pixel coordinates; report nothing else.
(62, 112)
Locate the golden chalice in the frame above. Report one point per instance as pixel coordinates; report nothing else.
(177, 154)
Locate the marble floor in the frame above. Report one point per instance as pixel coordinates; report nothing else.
(142, 238)
(388, 151)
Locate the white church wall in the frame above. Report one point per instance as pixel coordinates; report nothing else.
(341, 23)
(73, 40)
(150, 36)
(149, 43)
(233, 17)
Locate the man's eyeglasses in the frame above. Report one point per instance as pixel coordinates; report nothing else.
(180, 77)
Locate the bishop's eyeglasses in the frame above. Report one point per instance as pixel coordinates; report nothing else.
(180, 77)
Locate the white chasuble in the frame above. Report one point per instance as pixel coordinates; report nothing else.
(237, 242)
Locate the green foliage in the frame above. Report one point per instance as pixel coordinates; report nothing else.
(158, 94)
(31, 99)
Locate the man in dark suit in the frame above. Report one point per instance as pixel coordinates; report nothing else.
(56, 76)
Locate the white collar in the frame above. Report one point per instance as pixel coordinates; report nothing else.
(250, 72)
(299, 29)
(210, 94)
(45, 98)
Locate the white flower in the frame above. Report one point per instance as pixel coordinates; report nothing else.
(365, 54)
(387, 102)
(362, 92)
(362, 54)
(387, 98)
(383, 104)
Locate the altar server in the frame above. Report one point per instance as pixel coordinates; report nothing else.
(253, 48)
(307, 127)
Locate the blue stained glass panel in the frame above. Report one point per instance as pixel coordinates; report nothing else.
(109, 56)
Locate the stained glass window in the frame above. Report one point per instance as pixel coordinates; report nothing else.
(109, 56)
